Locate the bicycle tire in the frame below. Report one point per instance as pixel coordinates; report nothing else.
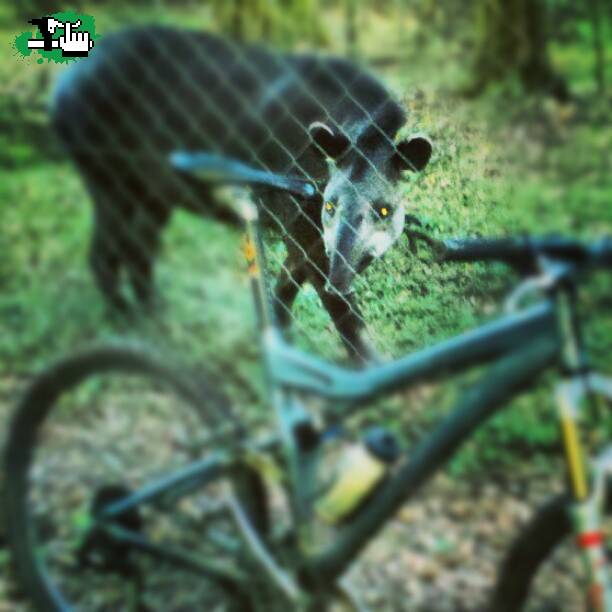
(43, 394)
(547, 531)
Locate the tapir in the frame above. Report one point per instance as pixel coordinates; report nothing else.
(145, 92)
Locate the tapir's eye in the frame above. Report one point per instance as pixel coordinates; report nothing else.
(330, 208)
(383, 211)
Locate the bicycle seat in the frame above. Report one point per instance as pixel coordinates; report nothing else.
(214, 168)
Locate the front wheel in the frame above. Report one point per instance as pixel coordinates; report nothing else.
(95, 429)
(544, 572)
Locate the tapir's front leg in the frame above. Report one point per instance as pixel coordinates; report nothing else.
(288, 284)
(347, 318)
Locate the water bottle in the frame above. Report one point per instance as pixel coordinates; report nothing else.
(362, 467)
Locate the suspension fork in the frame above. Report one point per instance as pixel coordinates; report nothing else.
(588, 484)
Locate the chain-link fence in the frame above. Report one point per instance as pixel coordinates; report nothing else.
(362, 130)
(147, 92)
(159, 241)
(127, 245)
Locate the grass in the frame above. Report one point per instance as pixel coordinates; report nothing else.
(503, 165)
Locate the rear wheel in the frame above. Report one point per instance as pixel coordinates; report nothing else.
(94, 429)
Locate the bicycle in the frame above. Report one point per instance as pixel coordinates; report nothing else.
(247, 557)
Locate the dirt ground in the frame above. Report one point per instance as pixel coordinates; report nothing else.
(439, 554)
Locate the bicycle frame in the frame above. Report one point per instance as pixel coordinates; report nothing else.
(521, 346)
(525, 345)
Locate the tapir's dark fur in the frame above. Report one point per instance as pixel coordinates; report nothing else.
(143, 93)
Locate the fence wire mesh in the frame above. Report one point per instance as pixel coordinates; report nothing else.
(148, 92)
(164, 249)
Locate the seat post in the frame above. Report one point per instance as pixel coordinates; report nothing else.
(256, 264)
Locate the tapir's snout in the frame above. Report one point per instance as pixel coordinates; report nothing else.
(342, 273)
(342, 263)
(339, 281)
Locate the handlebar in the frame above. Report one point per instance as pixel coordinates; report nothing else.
(523, 253)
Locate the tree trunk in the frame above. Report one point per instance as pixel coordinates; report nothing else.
(598, 45)
(512, 41)
(281, 23)
(351, 28)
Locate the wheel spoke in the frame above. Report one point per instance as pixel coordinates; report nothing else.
(117, 495)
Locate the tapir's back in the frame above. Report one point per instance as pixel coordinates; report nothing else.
(153, 88)
(145, 91)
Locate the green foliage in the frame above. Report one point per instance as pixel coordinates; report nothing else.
(543, 168)
(284, 23)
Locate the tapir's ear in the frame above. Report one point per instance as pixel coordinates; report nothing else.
(412, 153)
(333, 142)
